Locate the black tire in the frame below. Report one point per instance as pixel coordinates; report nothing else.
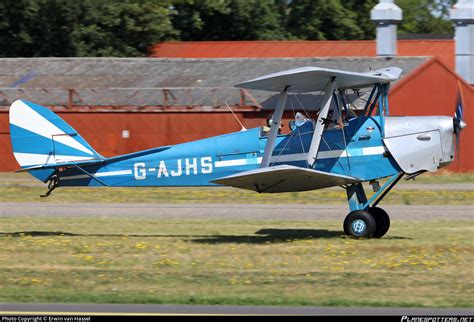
(359, 224)
(382, 221)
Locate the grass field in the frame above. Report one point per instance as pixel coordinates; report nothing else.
(118, 260)
(143, 260)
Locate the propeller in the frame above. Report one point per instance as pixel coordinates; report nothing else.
(458, 122)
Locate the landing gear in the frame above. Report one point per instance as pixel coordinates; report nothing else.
(364, 224)
(52, 184)
(365, 219)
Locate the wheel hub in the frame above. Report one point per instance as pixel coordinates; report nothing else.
(359, 226)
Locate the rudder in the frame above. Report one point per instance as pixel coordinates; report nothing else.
(41, 137)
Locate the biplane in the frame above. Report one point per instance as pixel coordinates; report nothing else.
(339, 147)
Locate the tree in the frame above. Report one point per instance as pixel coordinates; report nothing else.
(51, 28)
(319, 20)
(193, 17)
(122, 27)
(36, 28)
(82, 28)
(228, 19)
(425, 17)
(31, 28)
(362, 10)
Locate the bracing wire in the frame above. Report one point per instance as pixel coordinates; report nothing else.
(325, 142)
(343, 132)
(302, 106)
(299, 135)
(243, 127)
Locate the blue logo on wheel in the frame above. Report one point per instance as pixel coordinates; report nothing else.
(359, 226)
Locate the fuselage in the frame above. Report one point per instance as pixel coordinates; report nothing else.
(358, 151)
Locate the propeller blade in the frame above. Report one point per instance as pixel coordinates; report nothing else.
(458, 121)
(458, 144)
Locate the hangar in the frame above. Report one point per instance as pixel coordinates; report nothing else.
(180, 92)
(124, 105)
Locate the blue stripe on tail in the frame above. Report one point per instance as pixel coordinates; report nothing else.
(41, 137)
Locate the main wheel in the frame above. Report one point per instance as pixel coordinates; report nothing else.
(359, 224)
(382, 221)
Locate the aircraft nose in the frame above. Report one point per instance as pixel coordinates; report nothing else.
(458, 125)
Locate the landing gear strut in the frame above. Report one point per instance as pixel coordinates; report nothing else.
(365, 219)
(52, 184)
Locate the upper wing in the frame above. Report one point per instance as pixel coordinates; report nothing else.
(313, 79)
(284, 178)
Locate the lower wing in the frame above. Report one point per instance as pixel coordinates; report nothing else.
(284, 178)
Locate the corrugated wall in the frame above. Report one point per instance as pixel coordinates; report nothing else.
(103, 130)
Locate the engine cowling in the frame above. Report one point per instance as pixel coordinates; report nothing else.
(420, 143)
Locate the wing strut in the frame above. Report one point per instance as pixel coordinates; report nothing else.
(276, 119)
(319, 127)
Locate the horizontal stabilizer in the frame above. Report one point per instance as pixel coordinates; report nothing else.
(94, 161)
(314, 79)
(284, 178)
(61, 165)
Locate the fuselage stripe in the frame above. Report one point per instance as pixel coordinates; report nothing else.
(303, 156)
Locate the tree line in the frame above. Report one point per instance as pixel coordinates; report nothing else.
(124, 28)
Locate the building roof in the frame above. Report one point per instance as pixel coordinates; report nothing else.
(140, 81)
(441, 48)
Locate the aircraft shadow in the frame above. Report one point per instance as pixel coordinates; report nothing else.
(271, 235)
(62, 233)
(262, 236)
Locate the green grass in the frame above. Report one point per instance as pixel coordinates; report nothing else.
(118, 260)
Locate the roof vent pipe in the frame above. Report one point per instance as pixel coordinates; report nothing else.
(462, 14)
(387, 15)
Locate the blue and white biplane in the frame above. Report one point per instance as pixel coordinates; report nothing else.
(339, 147)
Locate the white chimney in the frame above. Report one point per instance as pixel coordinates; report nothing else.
(462, 14)
(387, 15)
